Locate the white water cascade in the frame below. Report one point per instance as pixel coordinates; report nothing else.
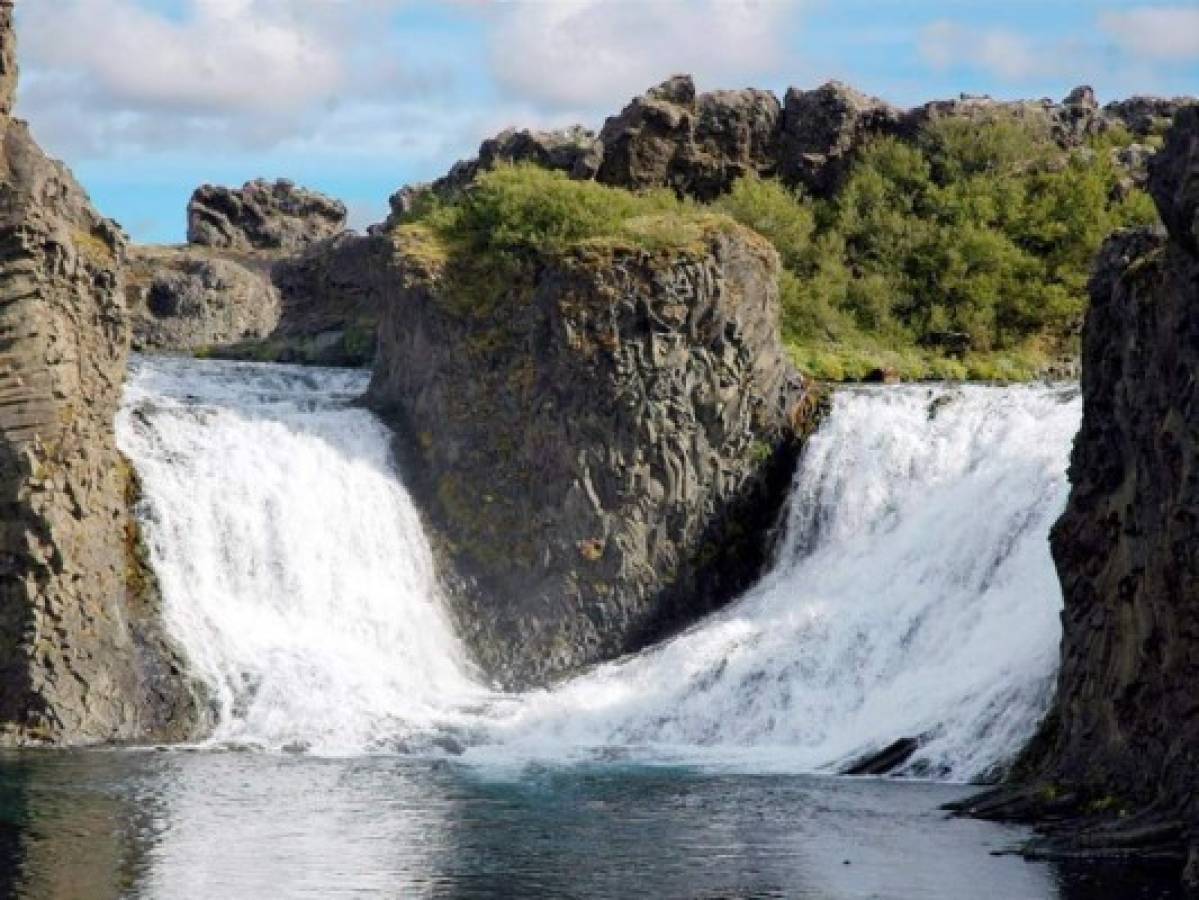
(913, 596)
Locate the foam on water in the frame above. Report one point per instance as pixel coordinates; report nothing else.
(292, 562)
(913, 595)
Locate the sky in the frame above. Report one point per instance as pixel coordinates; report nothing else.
(147, 99)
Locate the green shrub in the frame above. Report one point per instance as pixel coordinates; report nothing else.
(523, 208)
(775, 212)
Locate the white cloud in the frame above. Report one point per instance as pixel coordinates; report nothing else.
(1166, 33)
(595, 54)
(998, 51)
(103, 78)
(227, 55)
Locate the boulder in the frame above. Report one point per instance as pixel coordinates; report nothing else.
(262, 215)
(601, 444)
(192, 298)
(697, 145)
(822, 129)
(83, 656)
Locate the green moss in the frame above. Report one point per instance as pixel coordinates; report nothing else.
(94, 249)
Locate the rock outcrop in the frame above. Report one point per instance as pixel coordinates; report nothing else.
(823, 128)
(1145, 116)
(194, 298)
(1117, 759)
(697, 145)
(83, 657)
(601, 443)
(277, 279)
(262, 215)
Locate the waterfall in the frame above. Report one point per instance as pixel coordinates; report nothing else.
(913, 595)
(292, 562)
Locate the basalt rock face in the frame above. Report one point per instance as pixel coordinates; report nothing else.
(331, 297)
(192, 298)
(601, 445)
(262, 215)
(8, 59)
(1124, 735)
(822, 129)
(83, 657)
(697, 144)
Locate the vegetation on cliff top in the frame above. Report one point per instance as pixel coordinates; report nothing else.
(962, 254)
(523, 210)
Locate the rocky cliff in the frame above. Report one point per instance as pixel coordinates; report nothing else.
(700, 143)
(1117, 759)
(82, 655)
(601, 441)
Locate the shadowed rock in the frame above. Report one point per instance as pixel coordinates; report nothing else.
(1114, 766)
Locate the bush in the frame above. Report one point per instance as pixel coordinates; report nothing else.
(525, 208)
(778, 214)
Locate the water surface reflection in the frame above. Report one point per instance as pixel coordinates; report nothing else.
(203, 825)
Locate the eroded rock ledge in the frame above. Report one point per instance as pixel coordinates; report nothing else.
(601, 445)
(1116, 766)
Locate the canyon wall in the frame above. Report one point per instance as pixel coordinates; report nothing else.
(82, 656)
(1127, 548)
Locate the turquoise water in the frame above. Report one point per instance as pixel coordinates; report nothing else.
(249, 825)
